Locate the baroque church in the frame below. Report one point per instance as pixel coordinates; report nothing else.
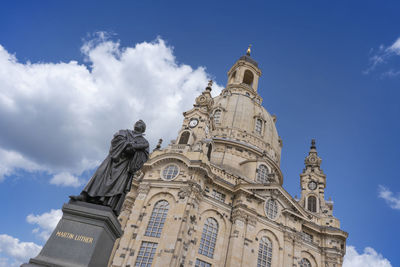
(214, 196)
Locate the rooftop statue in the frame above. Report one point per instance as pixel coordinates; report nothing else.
(112, 180)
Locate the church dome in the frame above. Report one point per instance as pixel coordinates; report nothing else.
(240, 117)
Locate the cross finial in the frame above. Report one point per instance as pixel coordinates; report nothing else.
(313, 144)
(248, 50)
(210, 83)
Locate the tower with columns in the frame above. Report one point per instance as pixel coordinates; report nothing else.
(214, 196)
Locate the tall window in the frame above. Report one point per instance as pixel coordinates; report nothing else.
(305, 263)
(157, 219)
(271, 208)
(184, 138)
(312, 204)
(264, 258)
(258, 127)
(262, 174)
(217, 116)
(200, 263)
(209, 151)
(208, 238)
(146, 254)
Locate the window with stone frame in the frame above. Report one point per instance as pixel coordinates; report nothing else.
(157, 219)
(312, 203)
(271, 208)
(218, 195)
(146, 254)
(305, 263)
(262, 174)
(264, 258)
(208, 238)
(217, 116)
(170, 172)
(200, 263)
(307, 237)
(258, 127)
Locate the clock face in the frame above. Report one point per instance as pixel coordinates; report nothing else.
(193, 123)
(312, 185)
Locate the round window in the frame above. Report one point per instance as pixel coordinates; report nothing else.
(170, 172)
(271, 208)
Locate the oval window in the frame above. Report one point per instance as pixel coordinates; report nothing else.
(170, 172)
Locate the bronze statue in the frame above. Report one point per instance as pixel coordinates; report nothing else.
(112, 180)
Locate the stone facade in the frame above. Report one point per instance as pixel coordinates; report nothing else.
(214, 196)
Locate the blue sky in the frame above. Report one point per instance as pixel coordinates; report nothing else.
(331, 71)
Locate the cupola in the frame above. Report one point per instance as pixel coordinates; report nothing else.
(245, 72)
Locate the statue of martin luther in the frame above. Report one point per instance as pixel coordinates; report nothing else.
(112, 180)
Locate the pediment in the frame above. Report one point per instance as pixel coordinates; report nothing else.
(282, 196)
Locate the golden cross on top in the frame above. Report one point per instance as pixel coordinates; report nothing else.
(248, 50)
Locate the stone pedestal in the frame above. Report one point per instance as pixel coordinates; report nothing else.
(84, 236)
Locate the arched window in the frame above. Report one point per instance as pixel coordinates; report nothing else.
(271, 208)
(184, 138)
(305, 263)
(217, 116)
(258, 127)
(157, 219)
(312, 203)
(264, 258)
(262, 174)
(209, 151)
(208, 238)
(248, 78)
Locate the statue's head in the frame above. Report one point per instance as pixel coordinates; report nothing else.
(140, 126)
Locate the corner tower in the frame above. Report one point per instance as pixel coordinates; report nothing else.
(313, 184)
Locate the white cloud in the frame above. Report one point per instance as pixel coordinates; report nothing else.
(370, 258)
(65, 179)
(395, 47)
(60, 117)
(13, 252)
(11, 160)
(382, 56)
(392, 200)
(46, 222)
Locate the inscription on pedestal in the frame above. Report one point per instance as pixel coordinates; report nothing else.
(82, 238)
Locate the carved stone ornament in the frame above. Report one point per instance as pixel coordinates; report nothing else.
(239, 215)
(144, 188)
(184, 192)
(129, 201)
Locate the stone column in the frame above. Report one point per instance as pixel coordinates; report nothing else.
(236, 239)
(193, 195)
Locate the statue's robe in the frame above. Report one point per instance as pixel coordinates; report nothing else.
(112, 180)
